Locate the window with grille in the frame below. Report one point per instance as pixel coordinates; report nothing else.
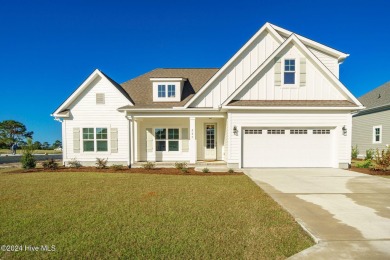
(253, 132)
(321, 131)
(298, 132)
(276, 131)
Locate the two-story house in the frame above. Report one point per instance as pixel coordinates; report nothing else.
(278, 102)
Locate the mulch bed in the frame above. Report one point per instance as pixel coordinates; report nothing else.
(369, 171)
(163, 171)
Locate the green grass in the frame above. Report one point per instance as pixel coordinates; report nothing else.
(115, 215)
(19, 151)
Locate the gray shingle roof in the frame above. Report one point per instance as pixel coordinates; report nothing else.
(377, 97)
(141, 92)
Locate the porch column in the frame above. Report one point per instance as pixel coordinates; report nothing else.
(192, 142)
(131, 126)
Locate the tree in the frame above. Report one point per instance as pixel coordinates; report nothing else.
(37, 145)
(56, 144)
(12, 131)
(45, 145)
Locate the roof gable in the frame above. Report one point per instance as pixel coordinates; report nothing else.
(72, 98)
(265, 28)
(293, 39)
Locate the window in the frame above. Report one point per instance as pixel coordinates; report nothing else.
(289, 71)
(171, 91)
(173, 139)
(276, 132)
(161, 91)
(377, 134)
(298, 132)
(253, 132)
(161, 136)
(321, 131)
(101, 140)
(163, 141)
(90, 141)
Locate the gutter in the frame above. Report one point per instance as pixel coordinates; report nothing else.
(288, 108)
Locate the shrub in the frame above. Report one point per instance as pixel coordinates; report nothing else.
(369, 154)
(101, 163)
(117, 167)
(230, 170)
(74, 163)
(50, 164)
(148, 165)
(180, 165)
(364, 164)
(28, 161)
(205, 170)
(382, 159)
(355, 152)
(184, 170)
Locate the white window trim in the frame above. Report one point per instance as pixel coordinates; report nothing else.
(95, 140)
(297, 64)
(167, 140)
(374, 134)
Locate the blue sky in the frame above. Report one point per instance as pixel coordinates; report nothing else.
(48, 48)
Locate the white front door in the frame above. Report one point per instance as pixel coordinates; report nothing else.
(210, 152)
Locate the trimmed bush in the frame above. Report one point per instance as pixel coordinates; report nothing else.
(74, 163)
(184, 170)
(180, 165)
(28, 161)
(148, 165)
(205, 170)
(101, 163)
(354, 152)
(50, 164)
(230, 170)
(364, 164)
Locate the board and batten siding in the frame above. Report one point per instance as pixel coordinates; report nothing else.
(329, 61)
(362, 132)
(316, 87)
(329, 120)
(85, 113)
(237, 72)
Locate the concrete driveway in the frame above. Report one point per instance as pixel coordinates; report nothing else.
(347, 213)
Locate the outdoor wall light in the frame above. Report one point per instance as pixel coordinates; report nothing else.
(235, 130)
(344, 130)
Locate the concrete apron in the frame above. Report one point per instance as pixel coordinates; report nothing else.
(346, 213)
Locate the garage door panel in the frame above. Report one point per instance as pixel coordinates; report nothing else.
(299, 148)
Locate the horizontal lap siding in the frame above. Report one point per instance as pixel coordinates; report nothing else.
(363, 131)
(305, 119)
(86, 113)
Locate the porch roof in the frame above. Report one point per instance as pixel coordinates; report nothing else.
(292, 103)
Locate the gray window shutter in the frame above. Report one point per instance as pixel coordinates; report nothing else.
(100, 98)
(149, 140)
(278, 72)
(184, 141)
(302, 79)
(114, 140)
(76, 140)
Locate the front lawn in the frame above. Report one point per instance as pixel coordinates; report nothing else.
(121, 215)
(20, 151)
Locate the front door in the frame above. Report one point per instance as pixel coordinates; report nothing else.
(210, 152)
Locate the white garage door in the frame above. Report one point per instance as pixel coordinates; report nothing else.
(282, 147)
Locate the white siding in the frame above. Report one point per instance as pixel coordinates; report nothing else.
(334, 120)
(86, 113)
(241, 69)
(179, 123)
(317, 87)
(329, 61)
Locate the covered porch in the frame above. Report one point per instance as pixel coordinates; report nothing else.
(170, 137)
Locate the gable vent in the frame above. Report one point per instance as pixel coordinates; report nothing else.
(100, 99)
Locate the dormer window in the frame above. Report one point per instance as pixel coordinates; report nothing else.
(161, 91)
(167, 89)
(171, 90)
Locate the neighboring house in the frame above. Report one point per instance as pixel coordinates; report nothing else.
(371, 126)
(277, 102)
